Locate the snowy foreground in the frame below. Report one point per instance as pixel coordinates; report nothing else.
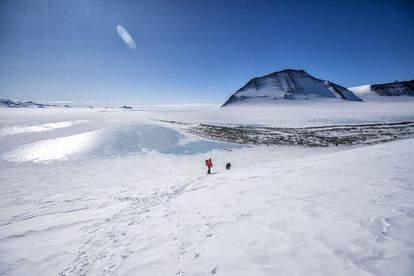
(91, 192)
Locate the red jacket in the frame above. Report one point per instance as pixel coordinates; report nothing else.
(209, 163)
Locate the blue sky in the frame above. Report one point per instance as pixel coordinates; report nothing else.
(195, 51)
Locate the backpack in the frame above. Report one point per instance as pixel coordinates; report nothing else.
(206, 162)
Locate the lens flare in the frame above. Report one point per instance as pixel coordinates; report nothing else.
(126, 37)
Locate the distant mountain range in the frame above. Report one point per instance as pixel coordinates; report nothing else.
(288, 85)
(292, 84)
(30, 104)
(10, 103)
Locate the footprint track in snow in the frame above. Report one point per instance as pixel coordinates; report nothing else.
(108, 243)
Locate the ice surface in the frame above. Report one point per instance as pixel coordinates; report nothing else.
(53, 149)
(19, 129)
(143, 137)
(200, 147)
(111, 142)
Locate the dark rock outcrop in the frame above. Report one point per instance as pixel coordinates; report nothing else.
(126, 107)
(398, 88)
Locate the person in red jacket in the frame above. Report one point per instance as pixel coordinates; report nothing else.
(209, 165)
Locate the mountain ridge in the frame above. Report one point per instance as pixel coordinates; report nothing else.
(385, 90)
(10, 103)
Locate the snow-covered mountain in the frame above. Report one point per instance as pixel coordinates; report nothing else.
(393, 89)
(10, 103)
(287, 85)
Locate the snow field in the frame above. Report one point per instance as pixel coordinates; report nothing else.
(278, 211)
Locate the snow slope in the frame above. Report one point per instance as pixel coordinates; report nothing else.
(363, 91)
(278, 211)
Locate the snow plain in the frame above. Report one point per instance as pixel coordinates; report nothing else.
(113, 192)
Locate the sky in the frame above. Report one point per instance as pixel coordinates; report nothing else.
(194, 51)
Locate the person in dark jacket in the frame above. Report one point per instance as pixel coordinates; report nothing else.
(228, 165)
(209, 165)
